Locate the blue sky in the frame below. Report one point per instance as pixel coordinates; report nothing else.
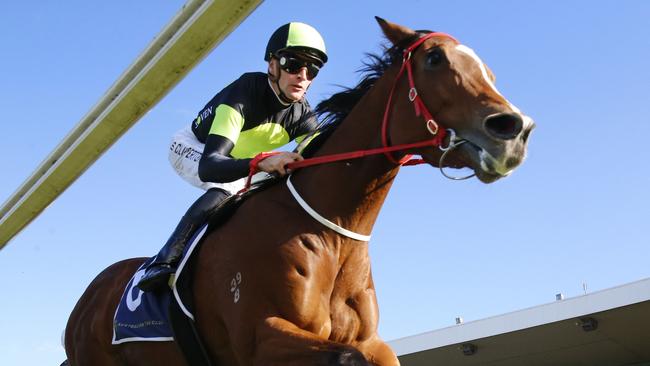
(576, 211)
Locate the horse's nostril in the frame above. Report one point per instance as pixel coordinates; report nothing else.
(504, 125)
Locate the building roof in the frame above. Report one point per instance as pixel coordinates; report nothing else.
(548, 334)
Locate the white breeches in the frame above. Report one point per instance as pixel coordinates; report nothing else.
(184, 154)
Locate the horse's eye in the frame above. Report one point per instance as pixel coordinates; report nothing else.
(435, 57)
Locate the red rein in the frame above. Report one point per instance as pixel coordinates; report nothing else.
(420, 109)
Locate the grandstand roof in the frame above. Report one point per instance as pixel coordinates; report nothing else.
(557, 333)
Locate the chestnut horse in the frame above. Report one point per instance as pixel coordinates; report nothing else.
(307, 295)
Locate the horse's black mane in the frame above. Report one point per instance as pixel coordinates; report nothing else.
(332, 111)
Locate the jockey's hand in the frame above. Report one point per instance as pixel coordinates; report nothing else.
(276, 164)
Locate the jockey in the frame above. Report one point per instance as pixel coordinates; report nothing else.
(257, 112)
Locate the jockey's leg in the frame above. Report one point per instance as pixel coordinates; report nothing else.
(157, 274)
(280, 342)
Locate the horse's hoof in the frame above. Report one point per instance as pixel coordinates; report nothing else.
(350, 358)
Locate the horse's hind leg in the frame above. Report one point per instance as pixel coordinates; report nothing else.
(89, 331)
(280, 342)
(85, 348)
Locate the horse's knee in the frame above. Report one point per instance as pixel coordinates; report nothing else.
(348, 357)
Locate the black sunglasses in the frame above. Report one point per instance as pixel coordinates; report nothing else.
(292, 65)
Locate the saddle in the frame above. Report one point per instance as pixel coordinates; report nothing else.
(167, 315)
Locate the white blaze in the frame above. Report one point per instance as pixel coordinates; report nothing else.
(470, 52)
(484, 155)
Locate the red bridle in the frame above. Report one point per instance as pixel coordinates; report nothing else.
(419, 106)
(420, 109)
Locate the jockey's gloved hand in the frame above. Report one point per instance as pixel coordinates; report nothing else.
(276, 164)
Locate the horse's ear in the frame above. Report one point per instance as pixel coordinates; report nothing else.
(394, 32)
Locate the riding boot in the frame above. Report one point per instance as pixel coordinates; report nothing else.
(157, 273)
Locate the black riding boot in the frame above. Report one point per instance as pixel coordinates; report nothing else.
(157, 274)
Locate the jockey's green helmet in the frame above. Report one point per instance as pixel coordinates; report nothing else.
(299, 38)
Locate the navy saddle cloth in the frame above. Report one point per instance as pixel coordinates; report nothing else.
(145, 316)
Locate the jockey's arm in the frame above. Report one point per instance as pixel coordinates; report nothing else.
(217, 166)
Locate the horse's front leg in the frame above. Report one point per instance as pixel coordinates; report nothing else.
(377, 352)
(280, 342)
(355, 322)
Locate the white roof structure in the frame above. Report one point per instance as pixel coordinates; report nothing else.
(609, 327)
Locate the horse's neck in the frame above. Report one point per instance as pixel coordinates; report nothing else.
(351, 193)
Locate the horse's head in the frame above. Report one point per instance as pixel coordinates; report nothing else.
(458, 90)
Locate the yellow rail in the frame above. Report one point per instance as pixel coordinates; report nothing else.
(195, 30)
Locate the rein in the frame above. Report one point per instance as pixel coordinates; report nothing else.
(420, 109)
(433, 127)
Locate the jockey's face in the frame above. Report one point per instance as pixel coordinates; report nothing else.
(293, 79)
(294, 86)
